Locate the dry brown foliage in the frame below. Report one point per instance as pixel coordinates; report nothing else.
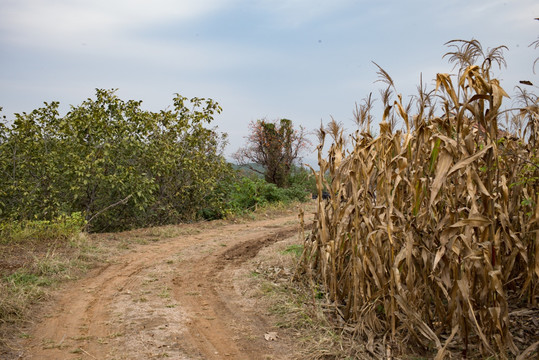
(430, 230)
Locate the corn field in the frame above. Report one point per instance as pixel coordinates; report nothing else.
(432, 230)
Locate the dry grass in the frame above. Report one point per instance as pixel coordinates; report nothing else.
(431, 233)
(299, 311)
(30, 270)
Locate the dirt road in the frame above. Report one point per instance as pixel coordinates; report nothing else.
(178, 298)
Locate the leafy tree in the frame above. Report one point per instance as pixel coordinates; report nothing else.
(117, 164)
(275, 145)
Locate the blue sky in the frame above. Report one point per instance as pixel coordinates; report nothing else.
(305, 60)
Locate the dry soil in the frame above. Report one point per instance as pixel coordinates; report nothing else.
(179, 298)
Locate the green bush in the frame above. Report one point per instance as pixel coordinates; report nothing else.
(250, 193)
(303, 178)
(117, 164)
(242, 194)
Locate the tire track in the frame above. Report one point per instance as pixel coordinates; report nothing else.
(174, 298)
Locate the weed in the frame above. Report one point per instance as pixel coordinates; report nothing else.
(294, 249)
(165, 293)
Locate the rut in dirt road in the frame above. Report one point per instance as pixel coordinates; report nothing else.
(209, 284)
(176, 298)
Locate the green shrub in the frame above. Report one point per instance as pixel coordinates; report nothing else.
(303, 178)
(120, 166)
(251, 193)
(61, 228)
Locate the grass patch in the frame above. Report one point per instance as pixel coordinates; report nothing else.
(271, 210)
(62, 228)
(30, 270)
(165, 293)
(294, 249)
(22, 278)
(297, 310)
(303, 315)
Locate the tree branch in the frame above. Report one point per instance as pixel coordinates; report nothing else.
(121, 202)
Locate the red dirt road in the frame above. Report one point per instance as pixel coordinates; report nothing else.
(178, 298)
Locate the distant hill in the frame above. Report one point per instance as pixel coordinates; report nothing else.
(247, 169)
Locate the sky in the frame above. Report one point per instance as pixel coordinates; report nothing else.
(304, 60)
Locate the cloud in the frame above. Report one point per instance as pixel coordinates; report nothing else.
(61, 22)
(103, 31)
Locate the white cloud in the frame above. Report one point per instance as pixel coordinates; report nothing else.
(60, 22)
(109, 30)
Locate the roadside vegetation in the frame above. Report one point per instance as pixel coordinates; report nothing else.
(429, 244)
(121, 167)
(250, 191)
(109, 166)
(36, 256)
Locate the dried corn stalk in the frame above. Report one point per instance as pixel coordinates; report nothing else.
(428, 230)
